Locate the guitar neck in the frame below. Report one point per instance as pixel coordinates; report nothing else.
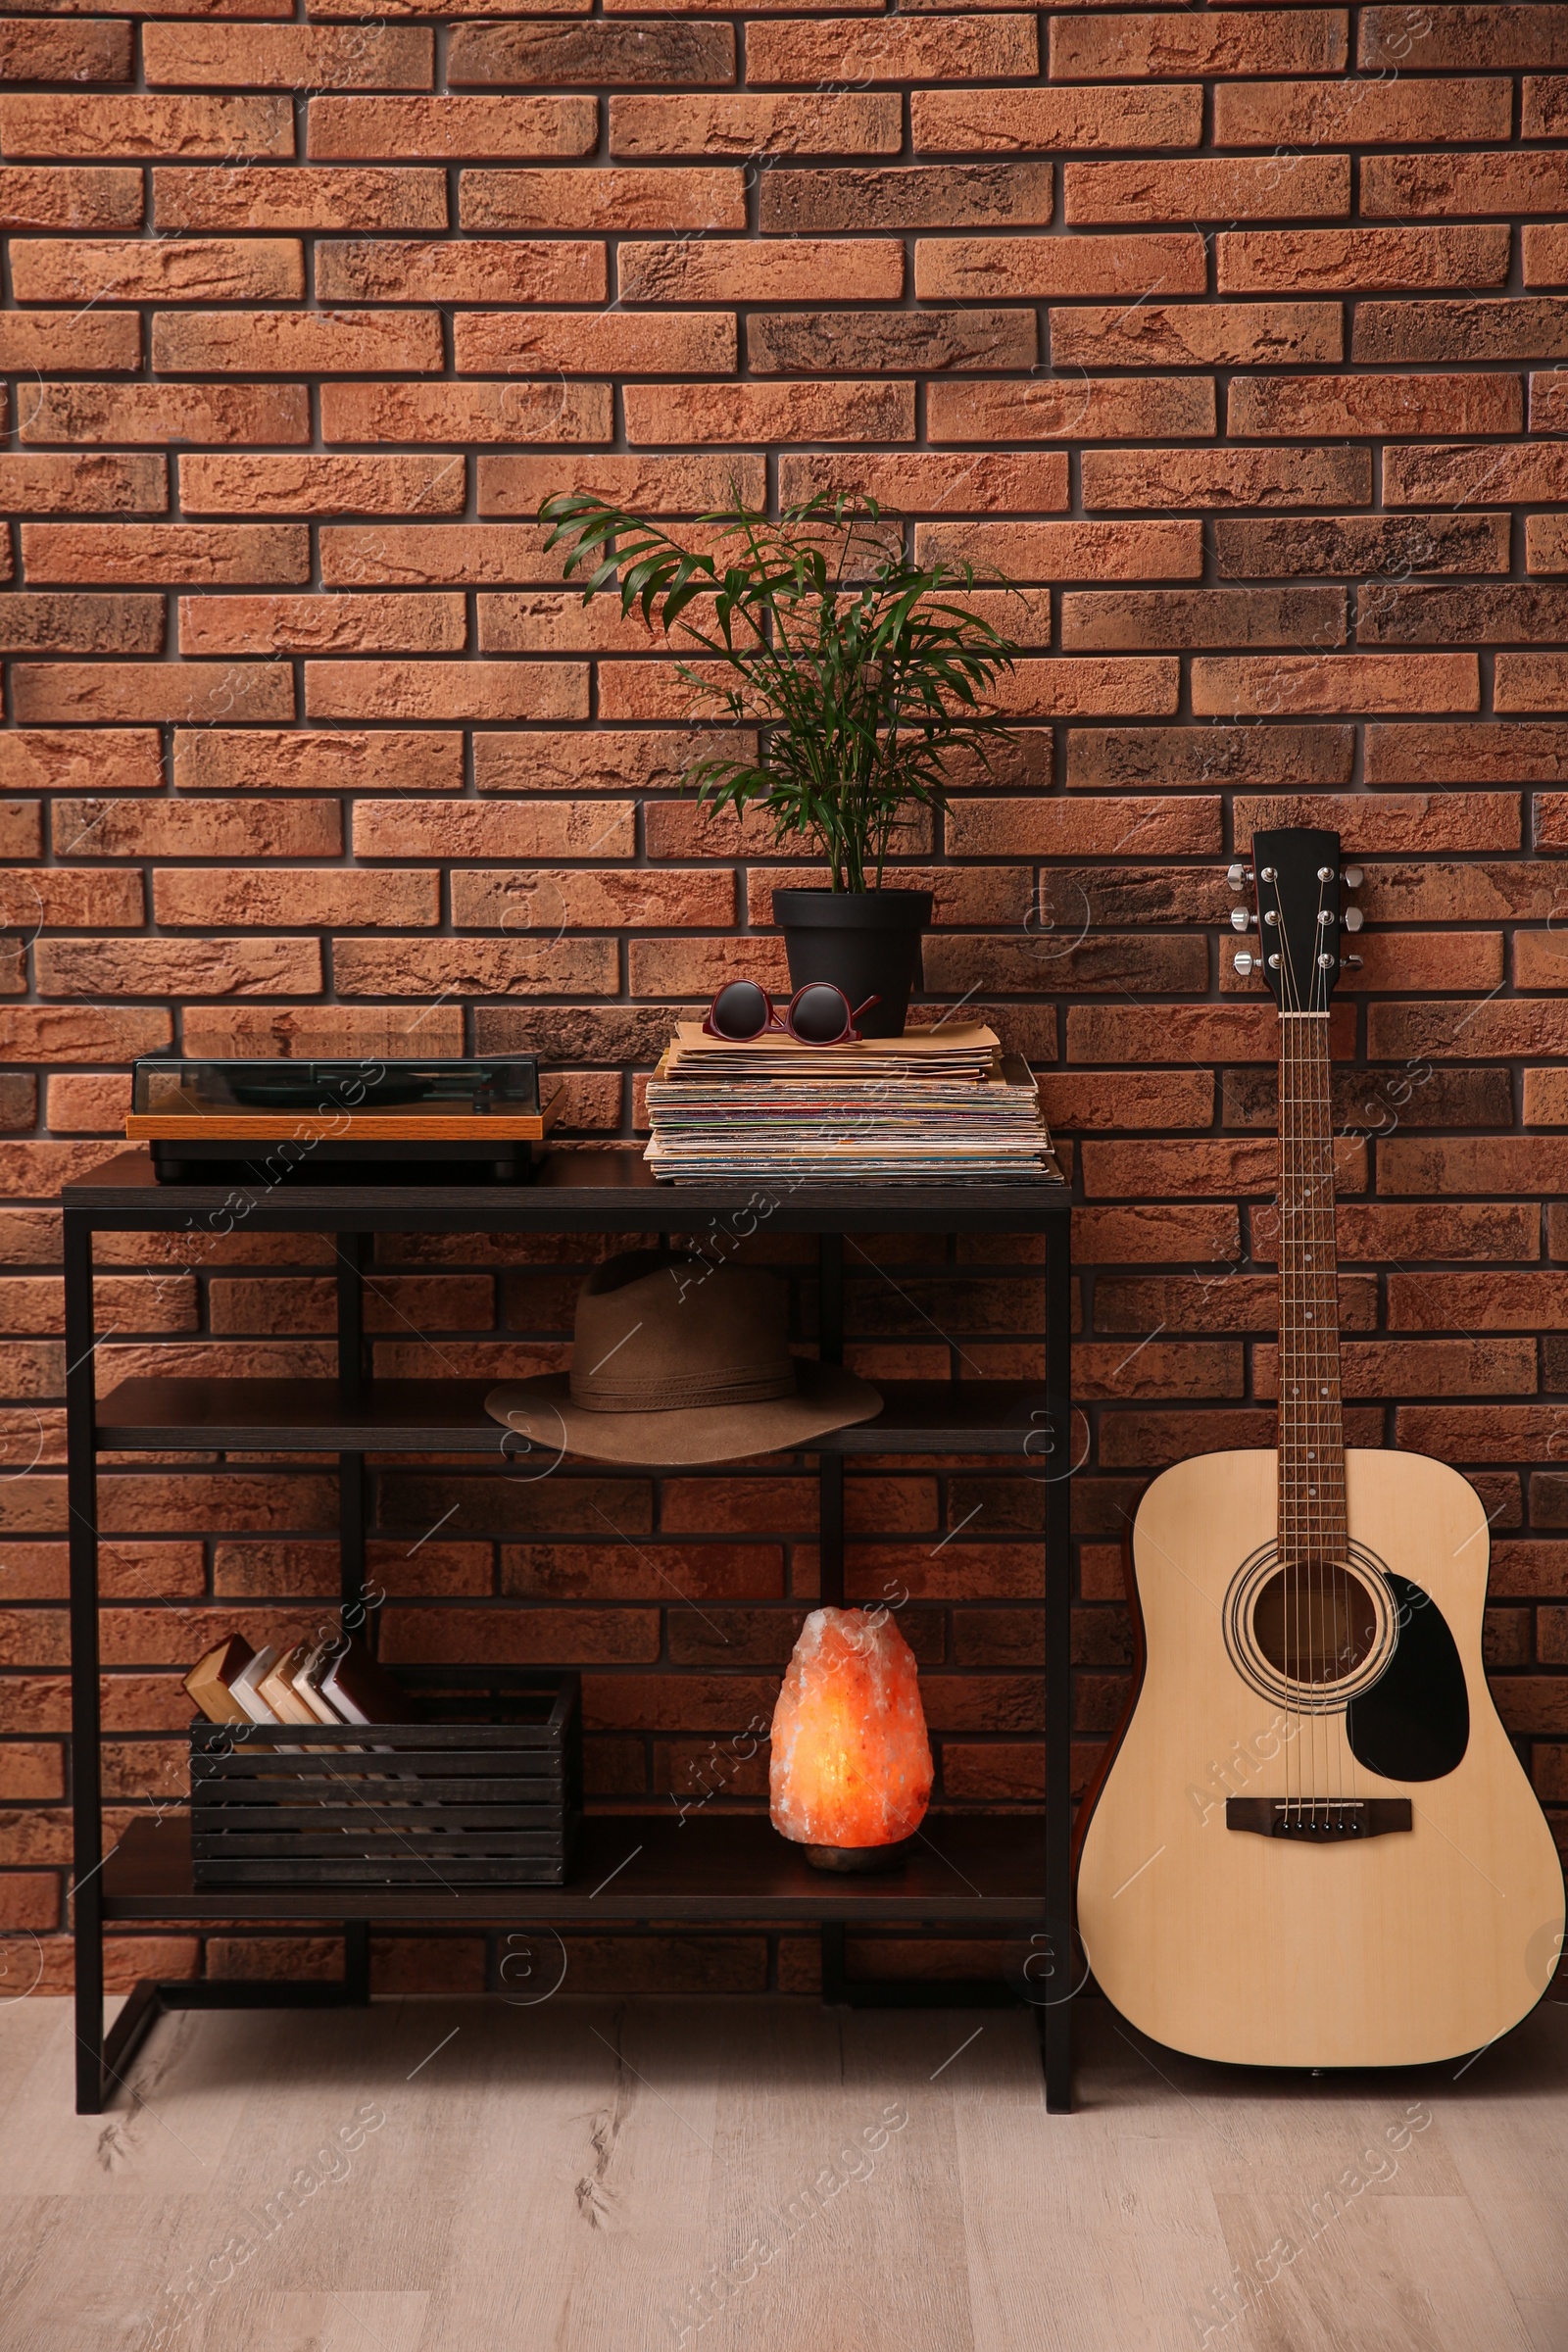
(1311, 1446)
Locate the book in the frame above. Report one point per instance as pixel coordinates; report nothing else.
(307, 1678)
(210, 1680)
(364, 1691)
(276, 1688)
(245, 1687)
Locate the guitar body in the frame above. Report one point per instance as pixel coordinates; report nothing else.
(1274, 1949)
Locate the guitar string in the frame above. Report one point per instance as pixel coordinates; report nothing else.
(1323, 1182)
(1287, 1356)
(1288, 1441)
(1336, 1605)
(1306, 1420)
(1344, 1580)
(1306, 1128)
(1317, 1536)
(1309, 1421)
(1320, 1569)
(1286, 1374)
(1329, 1483)
(1304, 1524)
(1339, 1512)
(1318, 1581)
(1284, 1323)
(1289, 996)
(1312, 1487)
(1353, 1584)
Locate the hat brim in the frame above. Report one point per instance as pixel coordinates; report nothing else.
(541, 1410)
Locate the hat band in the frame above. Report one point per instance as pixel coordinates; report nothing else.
(676, 1391)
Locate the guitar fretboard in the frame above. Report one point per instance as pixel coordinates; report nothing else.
(1311, 1473)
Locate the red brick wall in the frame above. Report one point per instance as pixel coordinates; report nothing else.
(1219, 329)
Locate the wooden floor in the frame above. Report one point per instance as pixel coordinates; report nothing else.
(454, 2177)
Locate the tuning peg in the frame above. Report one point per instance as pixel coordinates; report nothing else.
(1353, 963)
(1244, 964)
(1241, 918)
(1352, 877)
(1352, 918)
(1325, 873)
(1239, 876)
(1327, 962)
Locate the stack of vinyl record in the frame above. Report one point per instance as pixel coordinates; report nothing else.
(938, 1106)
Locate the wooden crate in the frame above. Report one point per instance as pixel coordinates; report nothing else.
(485, 1790)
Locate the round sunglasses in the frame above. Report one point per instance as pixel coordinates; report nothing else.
(818, 1014)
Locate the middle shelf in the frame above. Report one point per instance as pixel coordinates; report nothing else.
(448, 1416)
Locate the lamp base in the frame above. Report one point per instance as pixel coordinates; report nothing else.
(860, 1857)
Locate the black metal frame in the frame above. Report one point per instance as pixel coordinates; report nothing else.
(579, 1192)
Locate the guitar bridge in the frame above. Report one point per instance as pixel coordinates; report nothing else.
(1319, 1821)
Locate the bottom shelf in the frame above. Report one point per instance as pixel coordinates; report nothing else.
(634, 1866)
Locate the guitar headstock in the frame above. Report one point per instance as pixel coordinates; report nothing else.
(1299, 913)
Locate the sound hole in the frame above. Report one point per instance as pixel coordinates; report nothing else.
(1314, 1622)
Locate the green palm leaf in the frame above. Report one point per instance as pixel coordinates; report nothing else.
(867, 679)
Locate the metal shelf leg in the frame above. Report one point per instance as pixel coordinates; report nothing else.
(81, 1495)
(1057, 2025)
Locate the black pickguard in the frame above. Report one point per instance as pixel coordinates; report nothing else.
(1414, 1723)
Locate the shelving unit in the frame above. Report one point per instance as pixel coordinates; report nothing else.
(988, 1872)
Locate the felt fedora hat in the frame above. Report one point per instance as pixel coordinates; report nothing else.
(675, 1360)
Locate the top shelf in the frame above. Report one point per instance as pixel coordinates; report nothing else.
(448, 1416)
(572, 1192)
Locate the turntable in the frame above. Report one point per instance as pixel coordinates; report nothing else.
(345, 1121)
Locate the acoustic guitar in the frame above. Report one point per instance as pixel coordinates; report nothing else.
(1315, 1845)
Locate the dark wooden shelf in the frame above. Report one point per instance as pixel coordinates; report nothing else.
(981, 1870)
(572, 1192)
(448, 1416)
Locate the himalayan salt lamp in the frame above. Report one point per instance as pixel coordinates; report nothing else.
(851, 1771)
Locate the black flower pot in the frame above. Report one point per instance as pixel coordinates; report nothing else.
(866, 942)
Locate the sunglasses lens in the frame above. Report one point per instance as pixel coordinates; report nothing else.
(820, 1013)
(739, 1011)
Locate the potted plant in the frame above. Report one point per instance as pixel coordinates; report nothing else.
(865, 681)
